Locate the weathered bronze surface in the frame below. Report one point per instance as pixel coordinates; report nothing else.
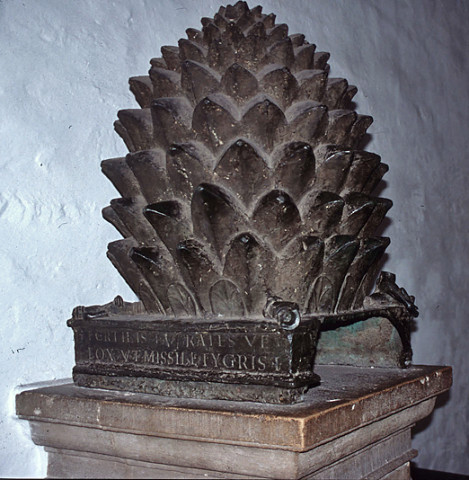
(247, 212)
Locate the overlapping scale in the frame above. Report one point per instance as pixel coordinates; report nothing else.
(171, 57)
(215, 217)
(362, 166)
(187, 166)
(214, 121)
(294, 168)
(312, 84)
(306, 122)
(280, 53)
(277, 219)
(171, 121)
(370, 251)
(340, 123)
(340, 250)
(243, 170)
(357, 211)
(148, 167)
(239, 83)
(322, 212)
(136, 128)
(171, 221)
(320, 61)
(297, 40)
(198, 81)
(375, 177)
(181, 301)
(113, 218)
(298, 266)
(266, 122)
(199, 269)
(119, 253)
(248, 261)
(158, 269)
(191, 51)
(165, 83)
(277, 33)
(280, 84)
(129, 211)
(304, 57)
(335, 90)
(253, 47)
(332, 173)
(142, 88)
(121, 176)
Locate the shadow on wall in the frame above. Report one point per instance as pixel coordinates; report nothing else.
(441, 401)
(422, 474)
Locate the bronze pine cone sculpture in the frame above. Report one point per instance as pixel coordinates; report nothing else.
(244, 181)
(245, 194)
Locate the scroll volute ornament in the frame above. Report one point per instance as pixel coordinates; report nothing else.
(245, 194)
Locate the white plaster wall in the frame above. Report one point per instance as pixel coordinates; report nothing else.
(64, 66)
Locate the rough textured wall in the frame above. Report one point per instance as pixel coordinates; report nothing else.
(64, 67)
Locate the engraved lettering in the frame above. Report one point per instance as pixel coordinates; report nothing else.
(242, 360)
(169, 342)
(109, 353)
(192, 349)
(261, 362)
(170, 358)
(126, 337)
(99, 353)
(125, 355)
(277, 364)
(216, 359)
(98, 336)
(148, 357)
(228, 360)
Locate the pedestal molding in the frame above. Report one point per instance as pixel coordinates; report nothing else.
(358, 419)
(299, 423)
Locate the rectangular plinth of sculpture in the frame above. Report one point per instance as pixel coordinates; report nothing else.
(355, 425)
(233, 360)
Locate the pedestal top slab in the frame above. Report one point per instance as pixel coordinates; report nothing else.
(348, 398)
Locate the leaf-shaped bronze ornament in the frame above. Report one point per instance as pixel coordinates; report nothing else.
(226, 300)
(181, 301)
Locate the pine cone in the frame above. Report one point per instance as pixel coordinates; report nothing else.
(245, 182)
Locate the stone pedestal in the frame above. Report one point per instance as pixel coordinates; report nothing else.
(356, 424)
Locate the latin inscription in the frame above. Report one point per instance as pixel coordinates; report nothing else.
(174, 340)
(229, 361)
(199, 350)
